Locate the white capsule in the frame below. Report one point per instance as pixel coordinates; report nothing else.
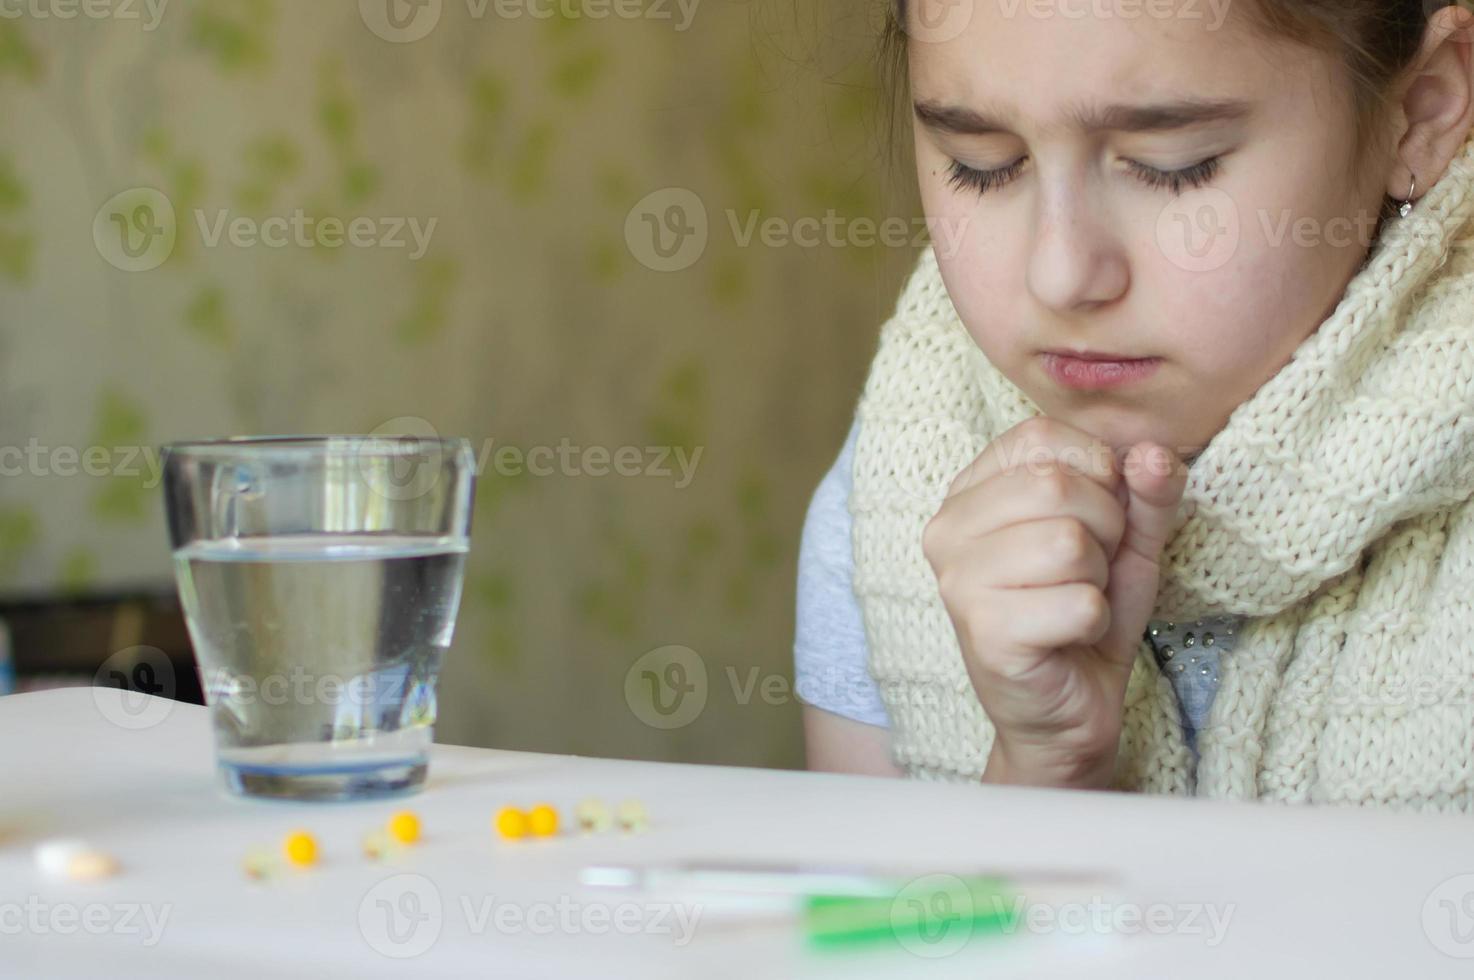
(54, 857)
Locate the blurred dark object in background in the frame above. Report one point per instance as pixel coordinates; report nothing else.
(122, 640)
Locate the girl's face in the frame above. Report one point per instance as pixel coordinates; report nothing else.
(1045, 145)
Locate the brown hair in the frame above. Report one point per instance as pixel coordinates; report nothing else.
(1375, 39)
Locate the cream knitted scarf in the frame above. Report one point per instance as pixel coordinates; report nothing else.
(1332, 510)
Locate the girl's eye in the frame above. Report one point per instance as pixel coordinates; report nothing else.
(1195, 176)
(964, 177)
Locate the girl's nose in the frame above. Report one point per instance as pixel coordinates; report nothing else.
(1078, 261)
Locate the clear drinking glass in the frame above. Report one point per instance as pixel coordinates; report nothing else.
(320, 578)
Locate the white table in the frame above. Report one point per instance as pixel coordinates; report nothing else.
(1308, 892)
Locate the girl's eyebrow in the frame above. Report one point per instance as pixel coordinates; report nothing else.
(1153, 117)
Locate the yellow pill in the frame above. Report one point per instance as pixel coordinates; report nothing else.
(543, 820)
(301, 848)
(511, 823)
(404, 827)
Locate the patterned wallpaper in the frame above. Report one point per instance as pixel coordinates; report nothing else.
(635, 250)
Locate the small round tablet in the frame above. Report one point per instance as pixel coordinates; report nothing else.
(376, 845)
(511, 823)
(404, 827)
(593, 816)
(542, 820)
(632, 816)
(258, 864)
(300, 848)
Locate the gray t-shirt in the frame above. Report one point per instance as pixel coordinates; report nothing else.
(831, 669)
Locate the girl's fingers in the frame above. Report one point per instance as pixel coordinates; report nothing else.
(1054, 551)
(1020, 624)
(1032, 445)
(1015, 497)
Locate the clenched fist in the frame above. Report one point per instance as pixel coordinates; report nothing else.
(1046, 555)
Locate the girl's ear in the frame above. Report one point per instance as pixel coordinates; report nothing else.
(1437, 103)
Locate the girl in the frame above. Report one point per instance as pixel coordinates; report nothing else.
(1161, 476)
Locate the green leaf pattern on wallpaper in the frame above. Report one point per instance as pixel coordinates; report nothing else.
(18, 56)
(235, 33)
(529, 315)
(17, 240)
(122, 497)
(19, 530)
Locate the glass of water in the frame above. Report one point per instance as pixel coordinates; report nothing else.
(320, 578)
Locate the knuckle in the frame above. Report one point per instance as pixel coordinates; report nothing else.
(1038, 426)
(1052, 487)
(1095, 612)
(1070, 542)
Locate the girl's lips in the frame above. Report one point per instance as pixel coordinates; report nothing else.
(1092, 375)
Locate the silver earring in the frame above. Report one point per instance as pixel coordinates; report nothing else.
(1406, 206)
